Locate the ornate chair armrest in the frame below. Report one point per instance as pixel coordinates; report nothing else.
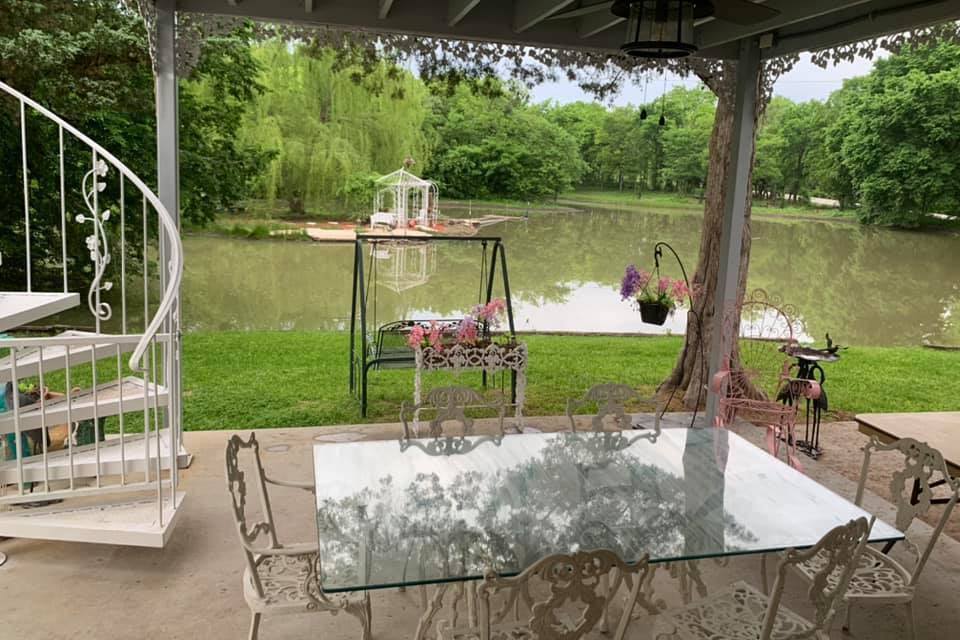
(293, 484)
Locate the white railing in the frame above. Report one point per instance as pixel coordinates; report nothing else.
(132, 458)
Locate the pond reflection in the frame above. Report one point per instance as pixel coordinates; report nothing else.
(863, 285)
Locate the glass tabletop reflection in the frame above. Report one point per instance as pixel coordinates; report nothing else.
(395, 513)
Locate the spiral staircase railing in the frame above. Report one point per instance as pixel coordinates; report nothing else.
(37, 467)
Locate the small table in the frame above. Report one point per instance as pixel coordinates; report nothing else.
(18, 307)
(425, 511)
(940, 430)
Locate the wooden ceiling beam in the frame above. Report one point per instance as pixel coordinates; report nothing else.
(590, 25)
(529, 13)
(458, 10)
(384, 11)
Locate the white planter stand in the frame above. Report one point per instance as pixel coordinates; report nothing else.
(490, 358)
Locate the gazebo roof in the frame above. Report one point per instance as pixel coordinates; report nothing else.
(589, 25)
(402, 178)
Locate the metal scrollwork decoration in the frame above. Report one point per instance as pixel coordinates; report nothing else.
(584, 581)
(96, 242)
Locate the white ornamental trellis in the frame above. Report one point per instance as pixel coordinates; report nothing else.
(490, 358)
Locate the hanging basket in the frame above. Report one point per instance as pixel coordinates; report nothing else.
(654, 313)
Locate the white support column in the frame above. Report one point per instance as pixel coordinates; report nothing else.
(734, 208)
(168, 164)
(168, 144)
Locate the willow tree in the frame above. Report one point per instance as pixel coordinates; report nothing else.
(327, 123)
(601, 75)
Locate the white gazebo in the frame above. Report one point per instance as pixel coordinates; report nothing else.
(403, 199)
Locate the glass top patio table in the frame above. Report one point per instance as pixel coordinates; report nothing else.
(395, 513)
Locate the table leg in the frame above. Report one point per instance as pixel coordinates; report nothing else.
(430, 612)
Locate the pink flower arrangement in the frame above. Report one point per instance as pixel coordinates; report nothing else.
(636, 285)
(466, 332)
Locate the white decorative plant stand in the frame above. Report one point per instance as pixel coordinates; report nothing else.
(490, 358)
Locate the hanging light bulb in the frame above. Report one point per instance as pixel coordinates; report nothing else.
(660, 28)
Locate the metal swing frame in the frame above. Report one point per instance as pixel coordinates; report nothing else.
(367, 353)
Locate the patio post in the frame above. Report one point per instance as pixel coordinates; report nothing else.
(737, 191)
(168, 163)
(168, 143)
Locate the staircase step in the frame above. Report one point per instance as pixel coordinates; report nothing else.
(55, 358)
(128, 392)
(20, 307)
(132, 522)
(137, 456)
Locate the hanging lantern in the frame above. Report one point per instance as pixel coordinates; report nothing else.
(660, 28)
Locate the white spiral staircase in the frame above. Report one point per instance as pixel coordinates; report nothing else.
(121, 376)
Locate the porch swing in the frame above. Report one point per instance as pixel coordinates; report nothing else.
(377, 346)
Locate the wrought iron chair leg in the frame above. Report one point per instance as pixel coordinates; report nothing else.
(255, 626)
(362, 611)
(846, 618)
(911, 622)
(764, 584)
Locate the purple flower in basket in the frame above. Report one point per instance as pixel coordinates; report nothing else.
(633, 281)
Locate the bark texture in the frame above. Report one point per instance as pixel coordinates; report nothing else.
(690, 373)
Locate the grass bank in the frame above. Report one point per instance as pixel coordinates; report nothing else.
(299, 378)
(659, 201)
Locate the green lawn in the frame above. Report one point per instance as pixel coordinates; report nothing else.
(285, 379)
(656, 200)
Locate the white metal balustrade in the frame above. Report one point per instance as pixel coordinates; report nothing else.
(122, 379)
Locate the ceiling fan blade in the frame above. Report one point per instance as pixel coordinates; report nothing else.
(585, 10)
(743, 11)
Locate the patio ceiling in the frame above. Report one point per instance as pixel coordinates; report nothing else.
(589, 25)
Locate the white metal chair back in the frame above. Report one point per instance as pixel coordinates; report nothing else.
(250, 532)
(610, 400)
(840, 550)
(579, 586)
(450, 404)
(284, 578)
(912, 489)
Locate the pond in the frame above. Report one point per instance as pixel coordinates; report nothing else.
(863, 285)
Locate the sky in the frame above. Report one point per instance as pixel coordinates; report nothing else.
(805, 82)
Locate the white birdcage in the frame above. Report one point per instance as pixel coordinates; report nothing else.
(403, 199)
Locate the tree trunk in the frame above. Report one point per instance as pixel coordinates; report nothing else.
(692, 368)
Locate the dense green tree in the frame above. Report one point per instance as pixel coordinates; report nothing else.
(791, 137)
(584, 121)
(330, 126)
(498, 145)
(685, 138)
(624, 150)
(88, 61)
(899, 136)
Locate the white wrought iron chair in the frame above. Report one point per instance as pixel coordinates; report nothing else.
(610, 400)
(879, 579)
(743, 612)
(279, 578)
(565, 596)
(450, 404)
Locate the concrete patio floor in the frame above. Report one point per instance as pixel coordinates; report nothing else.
(192, 588)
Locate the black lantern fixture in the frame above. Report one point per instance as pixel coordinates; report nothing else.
(660, 28)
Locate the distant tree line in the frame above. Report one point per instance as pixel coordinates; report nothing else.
(883, 144)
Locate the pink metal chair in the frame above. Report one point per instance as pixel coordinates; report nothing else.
(756, 385)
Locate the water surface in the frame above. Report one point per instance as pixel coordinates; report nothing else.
(864, 285)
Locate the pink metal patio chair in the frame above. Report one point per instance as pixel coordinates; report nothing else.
(757, 386)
